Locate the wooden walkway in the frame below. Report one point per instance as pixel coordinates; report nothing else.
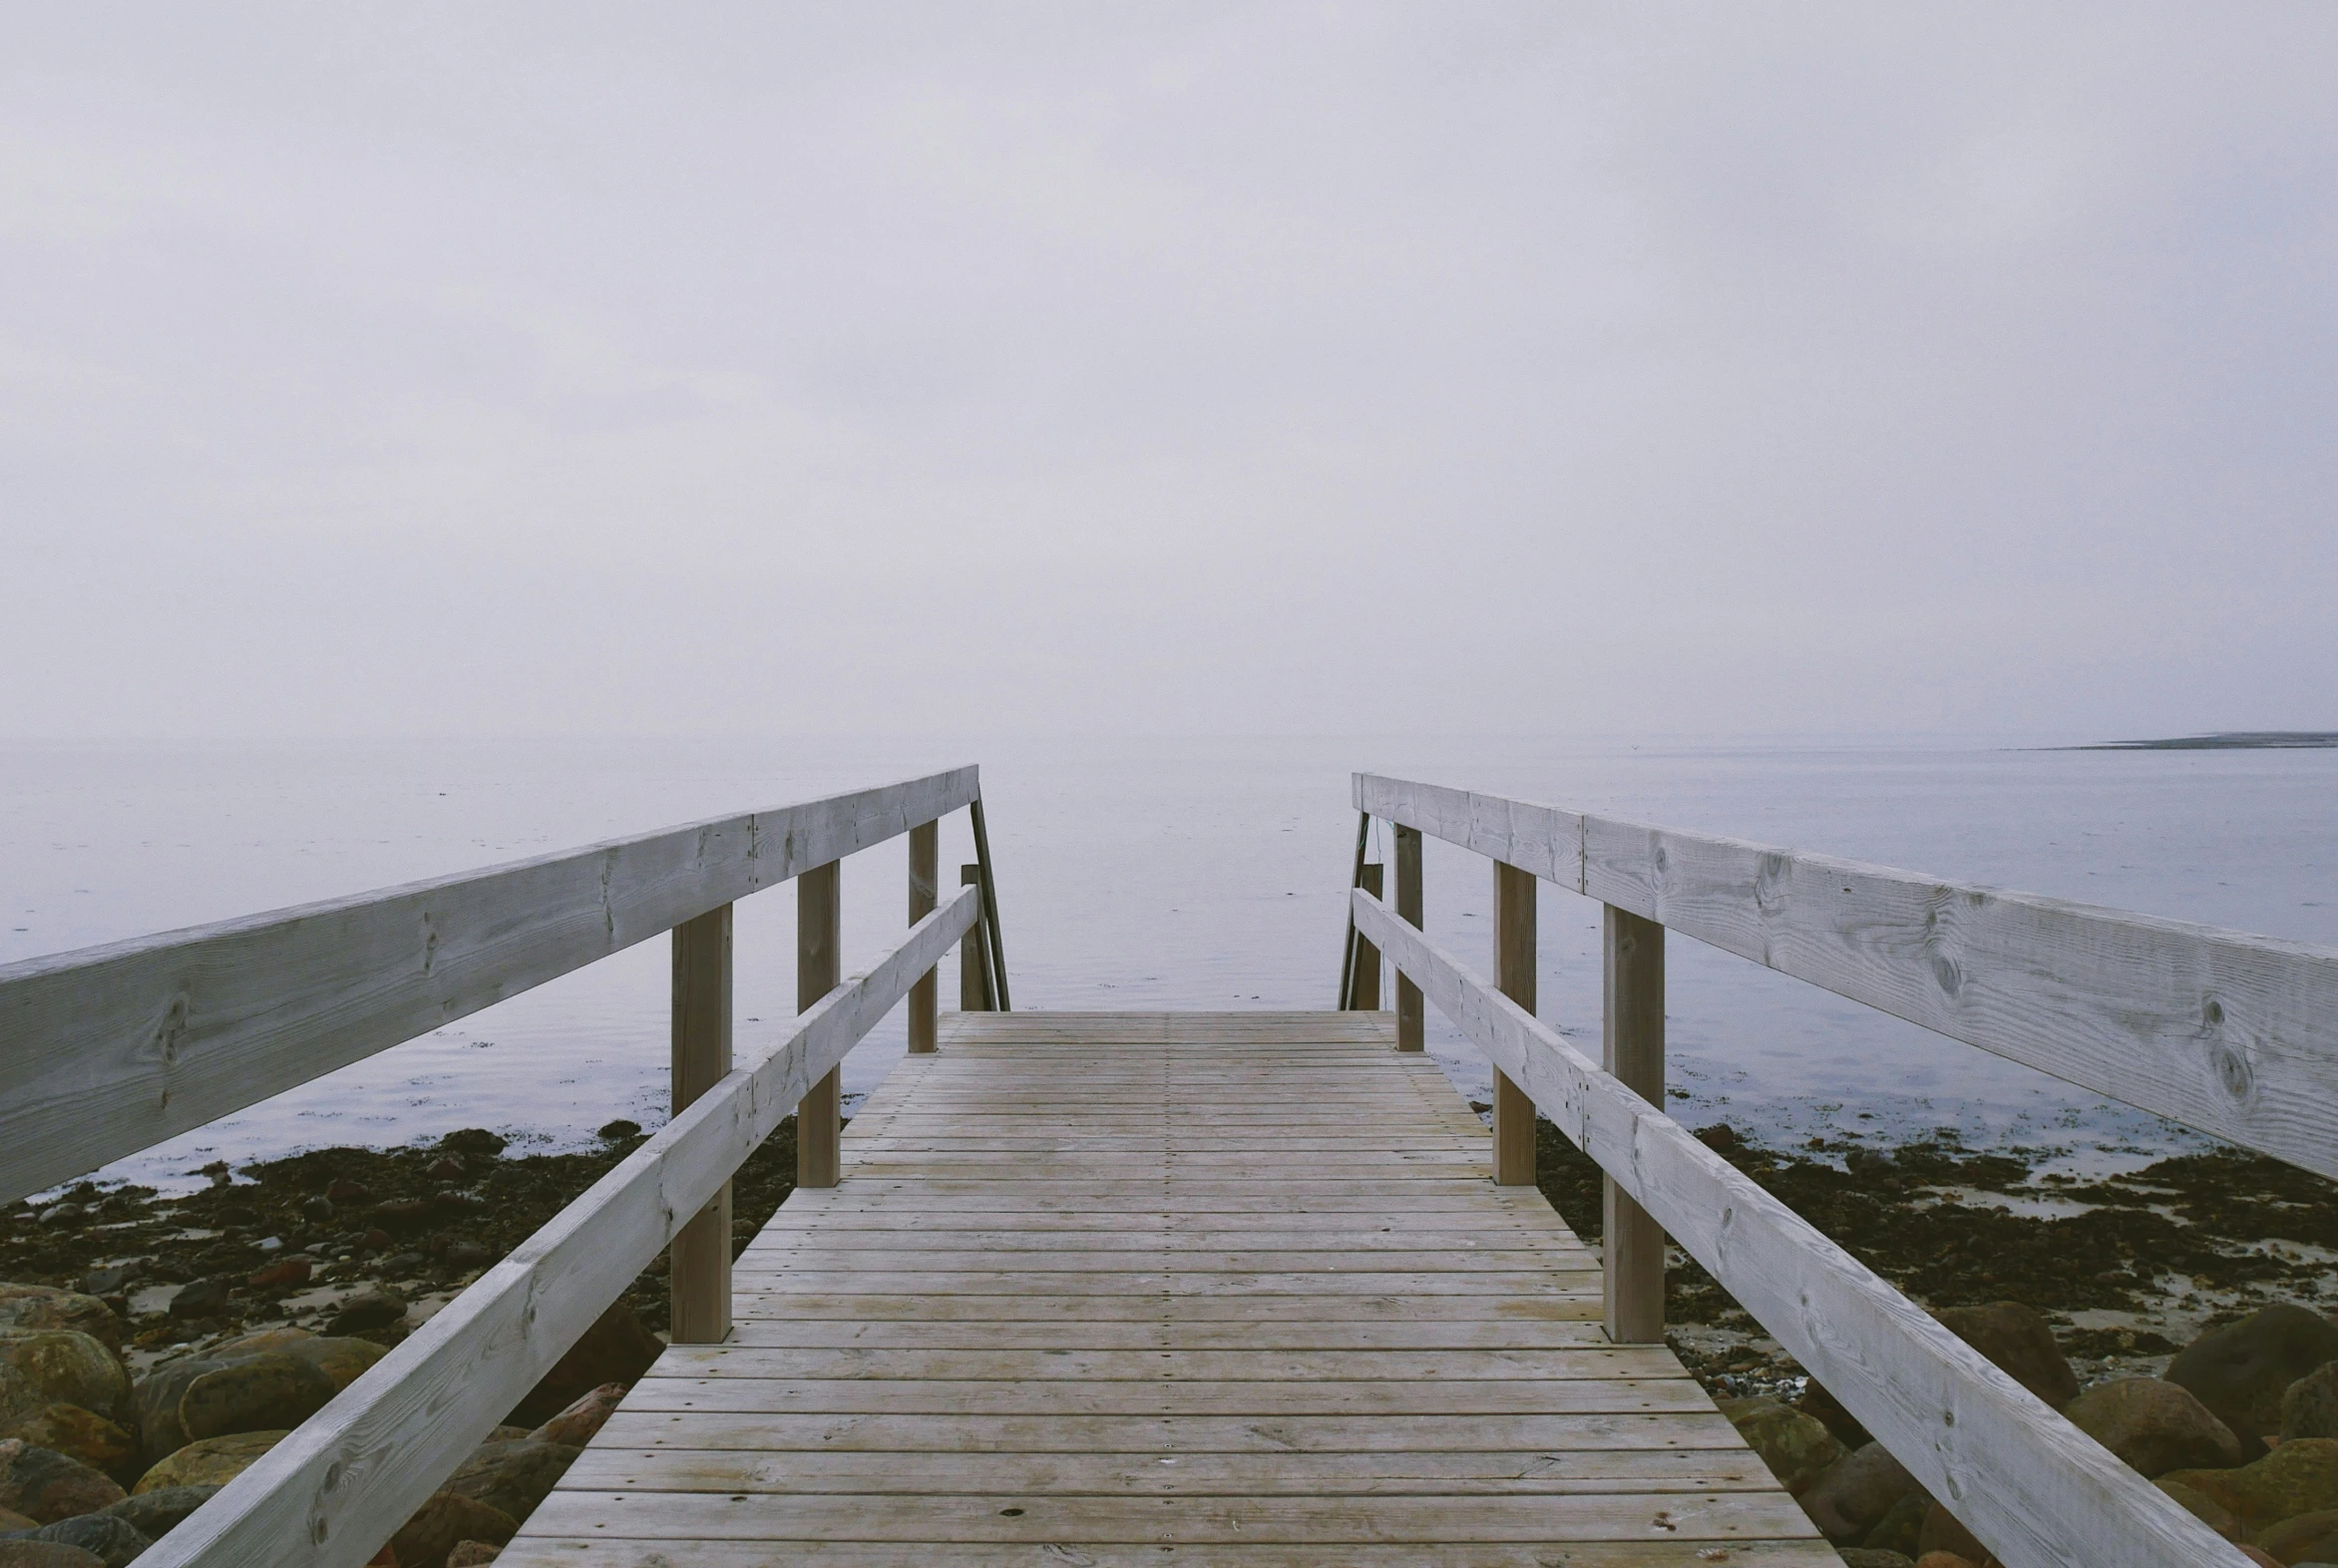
(1167, 1287)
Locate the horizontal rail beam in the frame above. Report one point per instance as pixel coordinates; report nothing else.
(2038, 1492)
(112, 1050)
(2233, 1033)
(342, 1483)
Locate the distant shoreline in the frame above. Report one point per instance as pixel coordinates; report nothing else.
(2234, 740)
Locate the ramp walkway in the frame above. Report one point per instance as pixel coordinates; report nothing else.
(1162, 1288)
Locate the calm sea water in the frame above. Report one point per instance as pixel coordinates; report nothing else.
(1155, 873)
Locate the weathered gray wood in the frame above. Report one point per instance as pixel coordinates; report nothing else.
(1632, 1051)
(1513, 907)
(974, 968)
(1365, 982)
(701, 1258)
(2233, 1033)
(1412, 1018)
(994, 947)
(819, 961)
(1136, 1304)
(109, 1049)
(331, 1493)
(2039, 1492)
(1348, 946)
(925, 892)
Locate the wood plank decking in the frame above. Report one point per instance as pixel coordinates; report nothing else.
(1167, 1287)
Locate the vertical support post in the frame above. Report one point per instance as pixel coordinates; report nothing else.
(1363, 989)
(925, 895)
(1410, 1015)
(818, 932)
(698, 1262)
(974, 964)
(1633, 1049)
(1514, 893)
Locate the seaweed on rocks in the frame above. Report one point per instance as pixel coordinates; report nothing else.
(289, 1240)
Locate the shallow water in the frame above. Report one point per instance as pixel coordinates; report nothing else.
(1157, 874)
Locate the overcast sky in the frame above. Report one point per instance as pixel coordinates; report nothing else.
(568, 368)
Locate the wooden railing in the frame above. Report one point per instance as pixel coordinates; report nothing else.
(109, 1050)
(2231, 1033)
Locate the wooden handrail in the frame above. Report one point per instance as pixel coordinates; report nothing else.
(2034, 1488)
(2233, 1033)
(342, 1483)
(110, 1049)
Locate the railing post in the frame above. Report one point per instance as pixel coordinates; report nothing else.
(974, 964)
(1363, 985)
(1410, 1015)
(698, 1262)
(925, 894)
(1514, 895)
(819, 929)
(1633, 1049)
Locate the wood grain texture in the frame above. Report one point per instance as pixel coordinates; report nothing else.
(2039, 1492)
(1149, 1329)
(819, 963)
(1632, 1051)
(1514, 893)
(107, 1050)
(341, 1484)
(701, 1258)
(1411, 1018)
(925, 892)
(2231, 1033)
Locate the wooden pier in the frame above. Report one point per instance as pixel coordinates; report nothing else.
(1167, 1287)
(1162, 1288)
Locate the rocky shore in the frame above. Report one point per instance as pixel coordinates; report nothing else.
(2176, 1315)
(152, 1346)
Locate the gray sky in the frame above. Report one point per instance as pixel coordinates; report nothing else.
(519, 368)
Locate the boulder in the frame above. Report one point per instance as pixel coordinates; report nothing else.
(273, 1391)
(2302, 1538)
(46, 1554)
(512, 1476)
(215, 1461)
(2202, 1507)
(1855, 1493)
(1868, 1557)
(2297, 1477)
(45, 1486)
(2154, 1427)
(581, 1421)
(155, 1400)
(201, 1299)
(2019, 1343)
(341, 1359)
(44, 1307)
(425, 1541)
(368, 1311)
(2242, 1371)
(473, 1554)
(13, 1523)
(1945, 1533)
(2309, 1406)
(475, 1141)
(157, 1514)
(110, 1540)
(83, 1434)
(41, 1367)
(1797, 1448)
(1902, 1529)
(617, 1348)
(1944, 1560)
